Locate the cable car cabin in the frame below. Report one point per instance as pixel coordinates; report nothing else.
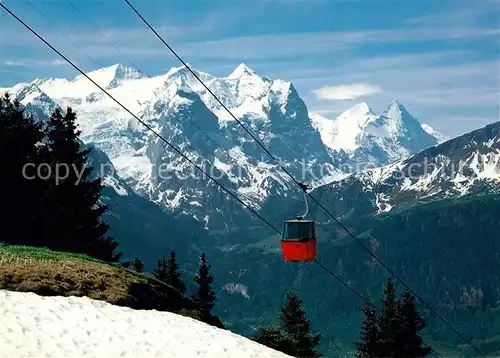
(299, 240)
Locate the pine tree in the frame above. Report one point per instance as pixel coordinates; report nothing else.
(395, 332)
(137, 264)
(75, 206)
(411, 323)
(293, 335)
(368, 345)
(204, 297)
(168, 271)
(298, 341)
(21, 190)
(161, 270)
(389, 322)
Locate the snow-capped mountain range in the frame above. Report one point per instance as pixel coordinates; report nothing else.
(179, 108)
(359, 137)
(313, 148)
(469, 164)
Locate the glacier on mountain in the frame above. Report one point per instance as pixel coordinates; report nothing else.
(359, 138)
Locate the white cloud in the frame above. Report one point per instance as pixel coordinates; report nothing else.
(35, 63)
(347, 91)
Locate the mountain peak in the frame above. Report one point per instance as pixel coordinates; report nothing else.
(30, 88)
(30, 92)
(242, 71)
(123, 72)
(396, 103)
(400, 129)
(342, 133)
(395, 109)
(109, 76)
(180, 69)
(361, 109)
(183, 75)
(360, 114)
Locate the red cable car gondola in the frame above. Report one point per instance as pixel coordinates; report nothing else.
(299, 237)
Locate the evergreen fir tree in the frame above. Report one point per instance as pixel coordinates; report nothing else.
(389, 322)
(368, 345)
(75, 207)
(161, 270)
(204, 297)
(411, 323)
(395, 332)
(137, 264)
(168, 271)
(22, 191)
(298, 341)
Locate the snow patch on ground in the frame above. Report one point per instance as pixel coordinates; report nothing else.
(35, 326)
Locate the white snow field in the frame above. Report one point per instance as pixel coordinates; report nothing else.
(36, 326)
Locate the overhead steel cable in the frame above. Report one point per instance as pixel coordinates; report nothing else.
(349, 232)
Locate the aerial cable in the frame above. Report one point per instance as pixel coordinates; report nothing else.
(301, 185)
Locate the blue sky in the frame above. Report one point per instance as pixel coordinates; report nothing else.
(439, 58)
